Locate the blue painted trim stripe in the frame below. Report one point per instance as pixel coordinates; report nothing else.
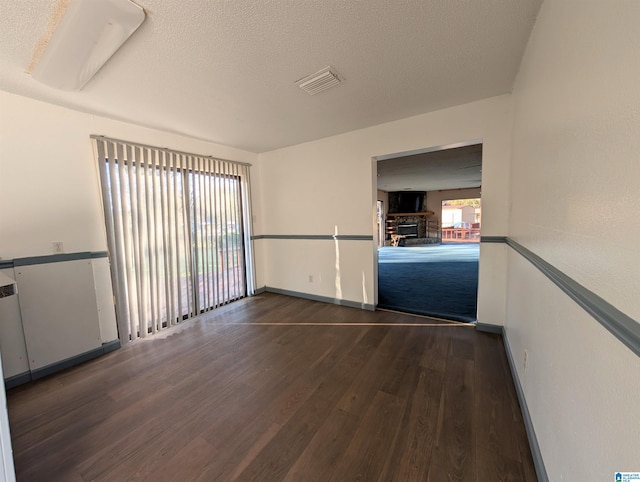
(429, 314)
(17, 380)
(323, 299)
(536, 454)
(622, 326)
(110, 346)
(489, 328)
(26, 377)
(53, 258)
(327, 237)
(493, 239)
(68, 363)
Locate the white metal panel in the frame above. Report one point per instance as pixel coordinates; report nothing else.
(59, 310)
(7, 472)
(104, 297)
(12, 344)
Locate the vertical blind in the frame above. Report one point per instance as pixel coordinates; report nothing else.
(178, 231)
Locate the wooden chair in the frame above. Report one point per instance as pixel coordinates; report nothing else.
(395, 239)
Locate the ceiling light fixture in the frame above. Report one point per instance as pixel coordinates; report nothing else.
(321, 80)
(90, 32)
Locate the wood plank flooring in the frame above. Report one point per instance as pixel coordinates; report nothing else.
(276, 388)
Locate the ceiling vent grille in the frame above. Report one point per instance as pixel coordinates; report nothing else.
(321, 80)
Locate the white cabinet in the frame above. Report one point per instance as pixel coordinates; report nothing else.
(59, 310)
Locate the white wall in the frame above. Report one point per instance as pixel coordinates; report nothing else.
(576, 160)
(327, 185)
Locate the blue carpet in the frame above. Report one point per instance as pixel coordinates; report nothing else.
(439, 281)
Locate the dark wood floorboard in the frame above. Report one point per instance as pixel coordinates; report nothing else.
(277, 388)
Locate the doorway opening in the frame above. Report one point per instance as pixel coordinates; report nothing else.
(428, 255)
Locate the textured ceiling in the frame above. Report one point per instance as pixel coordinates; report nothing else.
(457, 168)
(224, 70)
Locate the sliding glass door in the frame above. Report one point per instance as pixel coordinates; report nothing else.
(178, 233)
(217, 239)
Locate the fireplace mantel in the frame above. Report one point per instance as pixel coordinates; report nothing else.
(421, 213)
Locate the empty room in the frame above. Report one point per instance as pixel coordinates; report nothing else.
(190, 230)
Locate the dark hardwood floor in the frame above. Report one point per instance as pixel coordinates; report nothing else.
(276, 388)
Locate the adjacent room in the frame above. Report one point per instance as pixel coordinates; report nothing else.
(429, 248)
(197, 244)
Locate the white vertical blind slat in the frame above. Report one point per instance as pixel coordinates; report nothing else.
(182, 275)
(214, 234)
(230, 236)
(141, 265)
(121, 318)
(217, 243)
(205, 233)
(233, 215)
(239, 241)
(211, 302)
(166, 269)
(197, 231)
(202, 246)
(156, 229)
(225, 238)
(119, 261)
(248, 230)
(187, 222)
(247, 224)
(127, 236)
(174, 279)
(158, 232)
(149, 238)
(221, 236)
(135, 261)
(239, 249)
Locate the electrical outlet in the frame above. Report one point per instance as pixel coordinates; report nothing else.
(525, 362)
(57, 247)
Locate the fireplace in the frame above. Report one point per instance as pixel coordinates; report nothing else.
(408, 230)
(412, 229)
